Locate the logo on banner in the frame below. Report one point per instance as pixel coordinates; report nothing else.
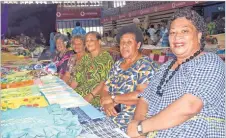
(129, 14)
(58, 14)
(141, 12)
(82, 13)
(156, 9)
(173, 5)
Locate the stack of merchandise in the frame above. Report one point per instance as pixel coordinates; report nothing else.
(31, 122)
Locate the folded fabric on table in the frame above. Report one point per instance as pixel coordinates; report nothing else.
(49, 122)
(16, 77)
(86, 113)
(12, 93)
(30, 101)
(17, 84)
(103, 129)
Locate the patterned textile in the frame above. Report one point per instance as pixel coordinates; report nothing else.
(103, 129)
(203, 77)
(90, 72)
(57, 92)
(17, 84)
(82, 116)
(49, 122)
(87, 113)
(78, 30)
(61, 62)
(30, 101)
(124, 81)
(71, 64)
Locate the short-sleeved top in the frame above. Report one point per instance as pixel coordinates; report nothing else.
(124, 81)
(90, 72)
(203, 77)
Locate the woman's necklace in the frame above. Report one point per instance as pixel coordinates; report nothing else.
(163, 80)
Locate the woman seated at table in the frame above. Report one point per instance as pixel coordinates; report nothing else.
(77, 43)
(92, 70)
(187, 95)
(63, 55)
(128, 77)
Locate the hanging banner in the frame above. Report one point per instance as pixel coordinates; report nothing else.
(152, 9)
(73, 13)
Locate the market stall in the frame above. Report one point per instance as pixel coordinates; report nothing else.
(44, 106)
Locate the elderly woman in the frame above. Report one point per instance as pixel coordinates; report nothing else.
(128, 77)
(187, 95)
(63, 55)
(92, 70)
(79, 48)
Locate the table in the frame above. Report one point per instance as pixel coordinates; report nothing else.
(94, 123)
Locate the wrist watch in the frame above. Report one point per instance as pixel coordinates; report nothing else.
(113, 98)
(140, 128)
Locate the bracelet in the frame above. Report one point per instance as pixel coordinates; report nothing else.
(92, 95)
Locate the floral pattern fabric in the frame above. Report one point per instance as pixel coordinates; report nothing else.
(61, 61)
(90, 72)
(124, 81)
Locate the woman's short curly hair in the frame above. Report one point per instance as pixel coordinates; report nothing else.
(130, 29)
(62, 37)
(81, 37)
(98, 36)
(197, 20)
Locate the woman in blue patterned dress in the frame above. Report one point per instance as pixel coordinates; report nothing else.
(127, 78)
(186, 98)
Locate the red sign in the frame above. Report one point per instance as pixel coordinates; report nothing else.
(153, 9)
(72, 13)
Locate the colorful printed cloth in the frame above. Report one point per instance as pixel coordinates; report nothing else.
(61, 62)
(103, 129)
(49, 122)
(203, 77)
(17, 84)
(30, 101)
(124, 81)
(72, 64)
(90, 72)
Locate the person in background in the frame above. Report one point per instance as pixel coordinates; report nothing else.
(152, 34)
(90, 74)
(128, 77)
(68, 36)
(52, 42)
(186, 98)
(157, 33)
(78, 30)
(63, 55)
(164, 34)
(78, 46)
(40, 39)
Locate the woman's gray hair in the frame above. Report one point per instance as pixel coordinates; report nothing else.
(62, 37)
(77, 37)
(133, 30)
(98, 36)
(197, 20)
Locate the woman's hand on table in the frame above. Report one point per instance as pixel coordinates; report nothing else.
(106, 100)
(73, 84)
(110, 110)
